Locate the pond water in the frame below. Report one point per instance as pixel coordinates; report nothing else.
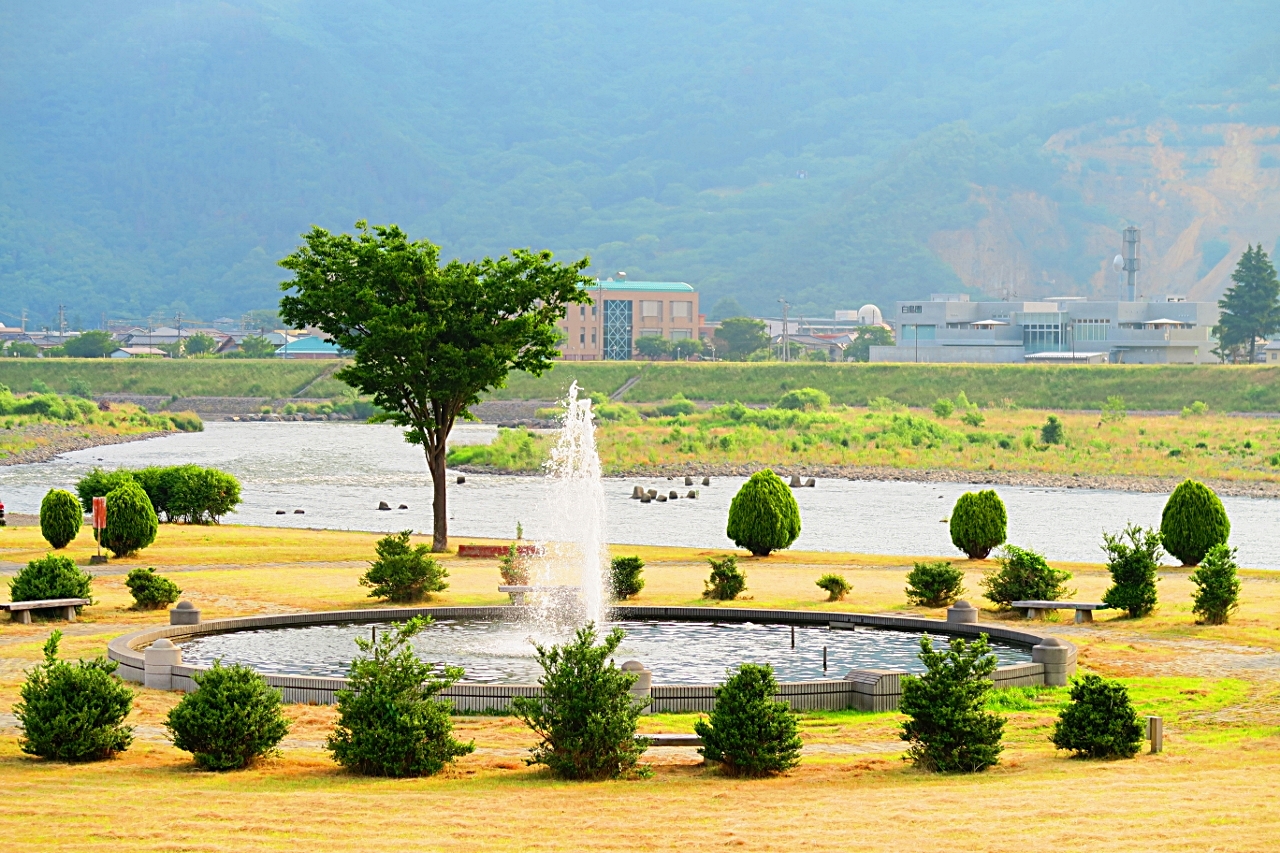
(338, 472)
(494, 652)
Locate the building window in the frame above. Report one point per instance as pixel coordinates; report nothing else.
(582, 335)
(912, 332)
(650, 308)
(617, 329)
(912, 309)
(593, 310)
(1042, 337)
(650, 333)
(1091, 330)
(681, 334)
(582, 311)
(593, 337)
(681, 310)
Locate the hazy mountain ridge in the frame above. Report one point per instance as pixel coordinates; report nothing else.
(162, 156)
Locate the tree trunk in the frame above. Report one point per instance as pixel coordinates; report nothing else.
(439, 505)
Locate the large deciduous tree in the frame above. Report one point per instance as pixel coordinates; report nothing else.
(1251, 307)
(740, 337)
(427, 340)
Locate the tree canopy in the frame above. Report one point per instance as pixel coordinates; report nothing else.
(740, 336)
(428, 339)
(1251, 307)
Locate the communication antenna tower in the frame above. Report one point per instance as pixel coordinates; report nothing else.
(1132, 241)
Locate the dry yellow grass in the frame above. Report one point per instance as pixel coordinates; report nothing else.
(1210, 790)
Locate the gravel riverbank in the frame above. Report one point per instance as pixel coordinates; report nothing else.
(1150, 485)
(55, 439)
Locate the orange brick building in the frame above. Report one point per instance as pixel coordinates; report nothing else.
(623, 312)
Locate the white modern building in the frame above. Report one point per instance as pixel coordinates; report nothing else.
(948, 327)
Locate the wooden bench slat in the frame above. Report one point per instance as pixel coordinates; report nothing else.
(43, 603)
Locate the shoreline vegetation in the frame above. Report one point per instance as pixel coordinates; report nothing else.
(887, 441)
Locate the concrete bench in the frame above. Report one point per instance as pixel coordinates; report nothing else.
(1084, 611)
(20, 611)
(517, 593)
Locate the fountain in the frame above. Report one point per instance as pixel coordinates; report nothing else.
(568, 573)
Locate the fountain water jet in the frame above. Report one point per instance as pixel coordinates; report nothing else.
(575, 554)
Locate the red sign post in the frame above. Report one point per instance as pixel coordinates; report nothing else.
(99, 522)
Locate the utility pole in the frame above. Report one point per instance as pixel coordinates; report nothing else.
(1132, 240)
(786, 337)
(178, 317)
(62, 322)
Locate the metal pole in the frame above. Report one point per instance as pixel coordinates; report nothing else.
(793, 636)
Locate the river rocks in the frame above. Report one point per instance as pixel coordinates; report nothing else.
(688, 481)
(637, 492)
(645, 499)
(674, 495)
(403, 506)
(279, 512)
(461, 479)
(299, 512)
(661, 499)
(810, 483)
(706, 481)
(383, 505)
(692, 494)
(653, 493)
(795, 481)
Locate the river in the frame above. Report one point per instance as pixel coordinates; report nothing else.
(338, 472)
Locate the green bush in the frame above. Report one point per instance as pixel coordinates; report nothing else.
(1193, 521)
(835, 585)
(1217, 592)
(934, 584)
(151, 591)
(947, 723)
(677, 406)
(185, 493)
(748, 732)
(50, 577)
(232, 719)
(514, 567)
(131, 520)
(805, 400)
(626, 576)
(390, 722)
(585, 718)
(1133, 566)
(73, 712)
(60, 517)
(1024, 575)
(186, 421)
(764, 515)
(1100, 721)
(1053, 432)
(727, 581)
(978, 523)
(402, 572)
(943, 408)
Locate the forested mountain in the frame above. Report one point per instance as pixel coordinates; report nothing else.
(161, 156)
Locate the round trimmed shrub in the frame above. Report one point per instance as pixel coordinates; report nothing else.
(979, 523)
(835, 586)
(73, 711)
(1100, 721)
(403, 572)
(60, 517)
(1193, 521)
(934, 584)
(231, 720)
(748, 732)
(131, 520)
(764, 515)
(50, 577)
(1024, 575)
(151, 591)
(626, 576)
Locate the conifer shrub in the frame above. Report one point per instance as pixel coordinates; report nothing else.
(1193, 521)
(60, 517)
(934, 584)
(979, 523)
(53, 576)
(626, 575)
(131, 520)
(1217, 593)
(1133, 557)
(151, 591)
(231, 720)
(1099, 722)
(805, 400)
(726, 582)
(73, 711)
(764, 515)
(403, 572)
(390, 721)
(1023, 575)
(585, 718)
(835, 585)
(1053, 432)
(948, 727)
(514, 567)
(748, 732)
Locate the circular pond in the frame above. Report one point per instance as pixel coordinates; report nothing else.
(501, 652)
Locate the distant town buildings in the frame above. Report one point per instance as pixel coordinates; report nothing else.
(1066, 329)
(625, 311)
